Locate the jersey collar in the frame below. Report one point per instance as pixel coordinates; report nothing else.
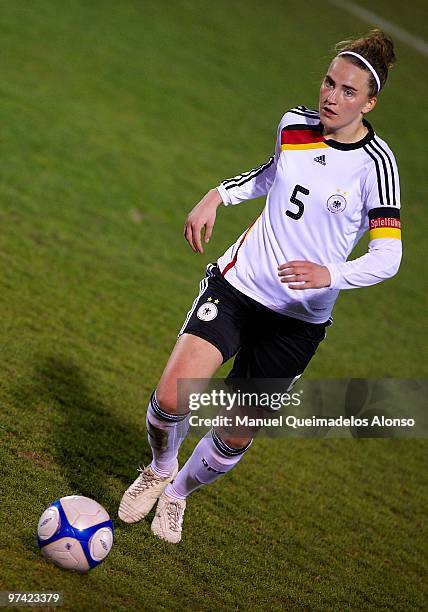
(349, 146)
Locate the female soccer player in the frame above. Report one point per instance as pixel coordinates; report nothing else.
(268, 299)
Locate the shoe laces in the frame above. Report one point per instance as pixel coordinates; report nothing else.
(146, 480)
(175, 513)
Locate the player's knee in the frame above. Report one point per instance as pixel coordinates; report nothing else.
(237, 443)
(167, 401)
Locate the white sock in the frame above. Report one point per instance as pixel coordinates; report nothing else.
(165, 433)
(210, 459)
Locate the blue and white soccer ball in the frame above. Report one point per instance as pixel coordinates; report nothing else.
(75, 532)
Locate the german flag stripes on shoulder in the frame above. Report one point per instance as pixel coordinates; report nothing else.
(384, 223)
(294, 137)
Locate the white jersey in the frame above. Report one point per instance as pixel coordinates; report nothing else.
(322, 196)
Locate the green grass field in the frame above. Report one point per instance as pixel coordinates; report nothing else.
(116, 117)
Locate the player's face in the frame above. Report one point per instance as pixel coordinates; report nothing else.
(344, 96)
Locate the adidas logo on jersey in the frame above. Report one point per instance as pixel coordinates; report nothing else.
(320, 159)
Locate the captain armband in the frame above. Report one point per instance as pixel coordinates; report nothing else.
(384, 223)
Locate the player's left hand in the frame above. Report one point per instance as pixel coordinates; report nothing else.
(304, 275)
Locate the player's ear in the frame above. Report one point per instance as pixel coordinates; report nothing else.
(369, 105)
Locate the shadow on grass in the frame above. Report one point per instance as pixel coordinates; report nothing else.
(92, 447)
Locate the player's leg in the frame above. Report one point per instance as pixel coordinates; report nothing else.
(210, 335)
(192, 357)
(215, 454)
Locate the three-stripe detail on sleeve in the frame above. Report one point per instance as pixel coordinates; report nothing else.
(303, 111)
(243, 178)
(387, 182)
(384, 223)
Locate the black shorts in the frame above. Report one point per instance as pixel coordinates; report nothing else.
(266, 344)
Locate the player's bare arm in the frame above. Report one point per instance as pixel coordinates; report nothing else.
(202, 216)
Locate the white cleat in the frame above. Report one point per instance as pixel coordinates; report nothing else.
(168, 520)
(141, 496)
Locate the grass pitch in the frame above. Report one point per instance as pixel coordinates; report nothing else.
(116, 118)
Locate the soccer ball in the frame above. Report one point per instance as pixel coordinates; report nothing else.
(75, 532)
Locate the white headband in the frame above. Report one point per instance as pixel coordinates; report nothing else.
(367, 63)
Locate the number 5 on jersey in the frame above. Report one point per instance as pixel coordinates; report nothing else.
(300, 206)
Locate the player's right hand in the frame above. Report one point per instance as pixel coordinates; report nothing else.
(202, 217)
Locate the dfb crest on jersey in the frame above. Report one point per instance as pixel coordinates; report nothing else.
(207, 312)
(336, 203)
